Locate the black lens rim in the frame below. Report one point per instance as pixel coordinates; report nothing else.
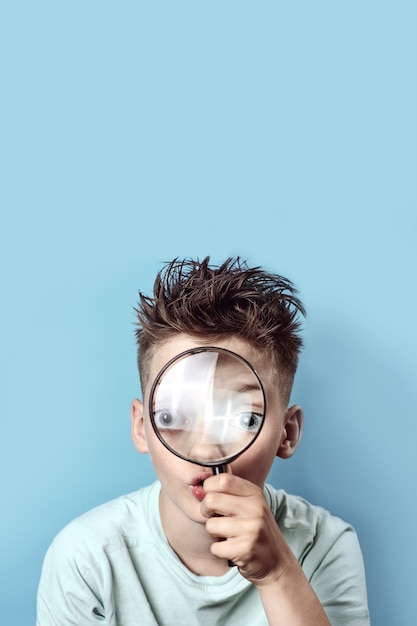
(189, 352)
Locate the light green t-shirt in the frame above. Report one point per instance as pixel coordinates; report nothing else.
(114, 567)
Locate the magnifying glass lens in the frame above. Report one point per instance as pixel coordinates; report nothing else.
(207, 405)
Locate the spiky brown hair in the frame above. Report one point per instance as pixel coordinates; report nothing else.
(214, 302)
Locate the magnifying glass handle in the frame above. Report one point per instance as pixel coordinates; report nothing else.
(221, 469)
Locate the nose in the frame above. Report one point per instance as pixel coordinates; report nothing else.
(205, 449)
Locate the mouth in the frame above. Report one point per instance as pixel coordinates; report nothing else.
(199, 478)
(197, 485)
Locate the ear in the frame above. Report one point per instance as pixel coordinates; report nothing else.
(292, 430)
(137, 426)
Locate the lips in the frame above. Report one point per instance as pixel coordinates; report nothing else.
(196, 485)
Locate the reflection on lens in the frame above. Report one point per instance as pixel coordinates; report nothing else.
(207, 405)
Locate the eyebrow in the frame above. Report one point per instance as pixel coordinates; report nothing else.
(248, 387)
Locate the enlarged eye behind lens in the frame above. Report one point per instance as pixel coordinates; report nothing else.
(249, 421)
(166, 419)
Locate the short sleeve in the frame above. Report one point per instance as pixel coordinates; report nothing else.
(65, 597)
(339, 582)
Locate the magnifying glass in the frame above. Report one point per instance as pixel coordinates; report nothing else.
(207, 406)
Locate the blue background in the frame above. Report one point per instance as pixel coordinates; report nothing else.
(134, 132)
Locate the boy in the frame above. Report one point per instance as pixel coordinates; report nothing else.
(196, 548)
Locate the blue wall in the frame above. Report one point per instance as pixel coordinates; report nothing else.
(134, 132)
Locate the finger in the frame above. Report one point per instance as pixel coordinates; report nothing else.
(236, 550)
(252, 504)
(224, 504)
(229, 527)
(228, 483)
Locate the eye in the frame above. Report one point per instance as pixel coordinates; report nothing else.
(166, 419)
(248, 421)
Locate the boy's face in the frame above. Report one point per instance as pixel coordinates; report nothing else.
(181, 479)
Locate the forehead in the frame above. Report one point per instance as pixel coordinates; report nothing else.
(180, 343)
(273, 384)
(208, 371)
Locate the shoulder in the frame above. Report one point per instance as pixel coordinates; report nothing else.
(306, 526)
(81, 564)
(293, 512)
(123, 520)
(328, 550)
